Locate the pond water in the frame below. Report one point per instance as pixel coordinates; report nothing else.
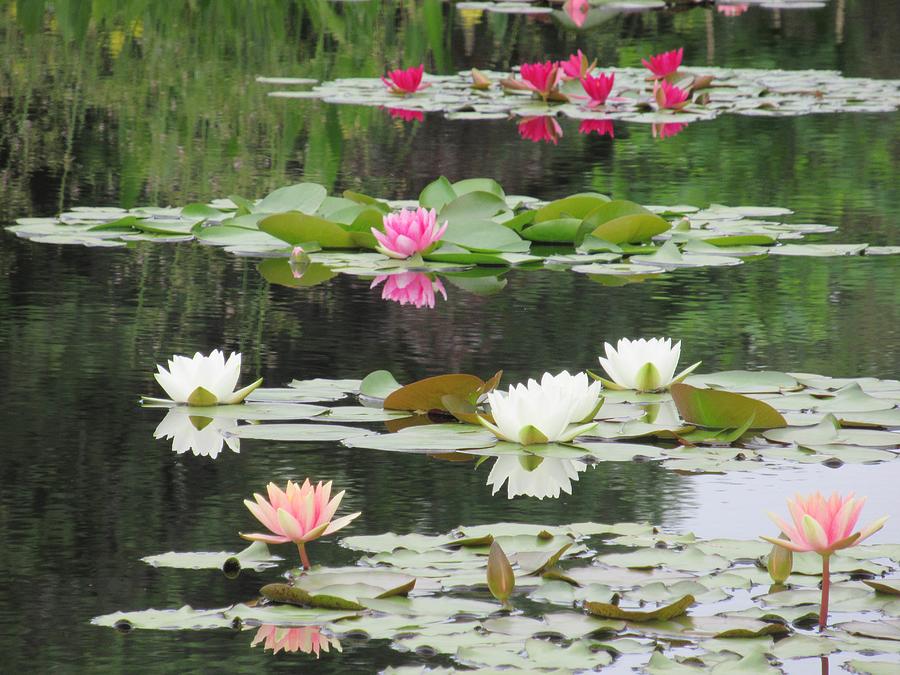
(126, 103)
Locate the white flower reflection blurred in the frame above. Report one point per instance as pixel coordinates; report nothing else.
(203, 436)
(534, 476)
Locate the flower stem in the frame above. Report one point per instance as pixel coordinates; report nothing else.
(303, 557)
(826, 586)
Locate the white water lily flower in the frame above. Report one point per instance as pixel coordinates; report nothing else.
(204, 380)
(553, 410)
(643, 365)
(203, 436)
(534, 476)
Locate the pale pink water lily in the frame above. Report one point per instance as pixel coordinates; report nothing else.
(824, 526)
(667, 130)
(306, 639)
(406, 115)
(408, 232)
(204, 380)
(299, 513)
(577, 10)
(405, 81)
(597, 88)
(665, 64)
(599, 127)
(732, 9)
(410, 288)
(669, 96)
(541, 129)
(541, 78)
(576, 66)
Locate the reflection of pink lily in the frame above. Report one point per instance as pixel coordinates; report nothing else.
(541, 129)
(733, 9)
(406, 115)
(600, 127)
(577, 11)
(541, 78)
(410, 288)
(668, 129)
(306, 639)
(406, 81)
(669, 96)
(597, 88)
(665, 64)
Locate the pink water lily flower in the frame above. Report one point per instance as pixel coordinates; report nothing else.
(407, 81)
(669, 96)
(599, 127)
(541, 129)
(406, 115)
(576, 66)
(665, 64)
(824, 526)
(577, 10)
(598, 88)
(299, 513)
(410, 288)
(667, 130)
(735, 9)
(541, 78)
(306, 639)
(409, 232)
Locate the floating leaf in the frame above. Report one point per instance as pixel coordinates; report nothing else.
(610, 611)
(723, 409)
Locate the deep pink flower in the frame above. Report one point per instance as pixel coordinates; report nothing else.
(410, 288)
(665, 64)
(406, 115)
(409, 232)
(669, 96)
(300, 513)
(598, 88)
(600, 127)
(406, 81)
(541, 129)
(668, 129)
(733, 9)
(577, 10)
(541, 78)
(306, 639)
(576, 66)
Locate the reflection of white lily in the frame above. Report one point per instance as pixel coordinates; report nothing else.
(644, 365)
(534, 476)
(203, 436)
(204, 380)
(545, 412)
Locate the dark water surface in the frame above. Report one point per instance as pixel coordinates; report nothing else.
(127, 103)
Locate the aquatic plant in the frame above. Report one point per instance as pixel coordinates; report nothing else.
(597, 88)
(665, 64)
(541, 78)
(409, 232)
(576, 66)
(410, 288)
(600, 127)
(541, 129)
(735, 9)
(204, 380)
(405, 81)
(643, 365)
(299, 513)
(500, 578)
(669, 96)
(823, 526)
(667, 129)
(406, 115)
(306, 639)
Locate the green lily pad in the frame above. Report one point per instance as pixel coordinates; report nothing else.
(723, 409)
(299, 432)
(255, 557)
(663, 613)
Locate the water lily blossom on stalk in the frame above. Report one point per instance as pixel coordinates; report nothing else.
(600, 127)
(534, 476)
(406, 115)
(408, 232)
(202, 436)
(299, 513)
(541, 78)
(306, 639)
(665, 64)
(597, 88)
(576, 66)
(669, 96)
(643, 365)
(824, 526)
(577, 10)
(556, 409)
(544, 129)
(405, 81)
(204, 380)
(410, 288)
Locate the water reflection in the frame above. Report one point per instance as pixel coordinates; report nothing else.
(667, 129)
(534, 476)
(410, 288)
(543, 129)
(406, 115)
(306, 639)
(599, 127)
(202, 436)
(577, 10)
(735, 9)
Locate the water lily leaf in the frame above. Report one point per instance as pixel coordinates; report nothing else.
(489, 185)
(659, 664)
(575, 206)
(889, 586)
(818, 250)
(302, 197)
(184, 618)
(285, 593)
(664, 613)
(558, 230)
(379, 384)
(723, 409)
(378, 583)
(258, 411)
(451, 253)
(226, 235)
(299, 432)
(536, 563)
(690, 559)
(472, 206)
(297, 228)
(745, 381)
(255, 557)
(361, 414)
(829, 432)
(622, 222)
(546, 654)
(432, 438)
(427, 394)
(482, 236)
(872, 667)
(437, 194)
(283, 273)
(325, 389)
(888, 629)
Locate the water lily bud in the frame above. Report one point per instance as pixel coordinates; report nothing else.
(780, 563)
(500, 577)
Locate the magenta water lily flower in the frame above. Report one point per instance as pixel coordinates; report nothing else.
(407, 81)
(299, 513)
(668, 129)
(577, 10)
(406, 115)
(541, 129)
(599, 127)
(306, 639)
(410, 288)
(665, 64)
(541, 78)
(576, 66)
(669, 96)
(597, 88)
(824, 526)
(408, 232)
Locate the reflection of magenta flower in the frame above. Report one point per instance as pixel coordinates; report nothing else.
(406, 81)
(598, 88)
(406, 115)
(306, 639)
(408, 232)
(575, 66)
(733, 10)
(410, 288)
(669, 96)
(600, 127)
(668, 129)
(577, 11)
(665, 64)
(541, 129)
(540, 77)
